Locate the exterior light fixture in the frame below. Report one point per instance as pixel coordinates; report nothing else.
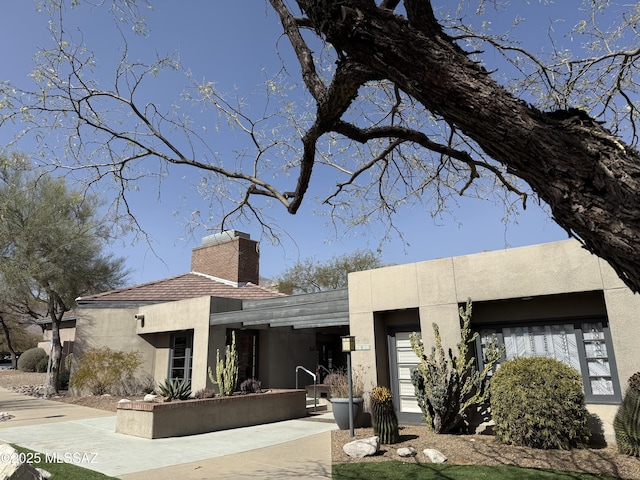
(348, 346)
(348, 343)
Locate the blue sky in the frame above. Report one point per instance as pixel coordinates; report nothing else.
(233, 44)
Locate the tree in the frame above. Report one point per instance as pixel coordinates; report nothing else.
(15, 336)
(409, 105)
(308, 275)
(51, 242)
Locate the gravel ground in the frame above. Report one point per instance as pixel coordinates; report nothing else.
(459, 449)
(485, 450)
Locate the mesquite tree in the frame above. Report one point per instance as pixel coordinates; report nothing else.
(51, 247)
(407, 103)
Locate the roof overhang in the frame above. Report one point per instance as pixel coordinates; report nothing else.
(311, 310)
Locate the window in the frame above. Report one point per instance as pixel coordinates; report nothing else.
(584, 345)
(181, 356)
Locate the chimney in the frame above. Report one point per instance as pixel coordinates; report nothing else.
(230, 255)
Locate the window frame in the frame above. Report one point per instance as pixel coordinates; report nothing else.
(577, 323)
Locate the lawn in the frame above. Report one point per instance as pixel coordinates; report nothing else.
(62, 471)
(394, 470)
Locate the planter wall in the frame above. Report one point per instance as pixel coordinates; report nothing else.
(189, 417)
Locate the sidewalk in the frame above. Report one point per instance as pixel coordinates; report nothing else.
(289, 449)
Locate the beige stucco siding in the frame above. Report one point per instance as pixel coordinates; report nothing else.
(551, 280)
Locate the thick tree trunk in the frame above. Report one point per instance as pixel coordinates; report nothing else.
(589, 177)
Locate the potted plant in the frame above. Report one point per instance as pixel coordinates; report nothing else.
(338, 383)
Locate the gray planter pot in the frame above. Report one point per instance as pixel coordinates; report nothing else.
(340, 407)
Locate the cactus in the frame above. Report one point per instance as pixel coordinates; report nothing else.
(448, 388)
(626, 423)
(385, 422)
(226, 369)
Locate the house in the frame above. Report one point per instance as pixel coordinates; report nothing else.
(180, 323)
(554, 299)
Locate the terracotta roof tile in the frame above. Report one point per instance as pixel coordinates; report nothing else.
(180, 287)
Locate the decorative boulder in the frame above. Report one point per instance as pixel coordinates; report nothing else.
(434, 455)
(150, 397)
(362, 448)
(407, 452)
(11, 468)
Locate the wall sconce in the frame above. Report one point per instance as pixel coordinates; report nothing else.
(348, 343)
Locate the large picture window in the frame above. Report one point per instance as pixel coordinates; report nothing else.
(584, 345)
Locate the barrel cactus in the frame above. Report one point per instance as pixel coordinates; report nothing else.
(385, 422)
(626, 424)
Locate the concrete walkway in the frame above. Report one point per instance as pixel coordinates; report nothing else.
(86, 436)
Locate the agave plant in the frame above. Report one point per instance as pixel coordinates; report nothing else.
(175, 389)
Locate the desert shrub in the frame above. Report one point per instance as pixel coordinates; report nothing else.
(626, 424)
(43, 363)
(251, 385)
(450, 388)
(538, 402)
(101, 369)
(204, 393)
(29, 359)
(338, 382)
(176, 389)
(130, 386)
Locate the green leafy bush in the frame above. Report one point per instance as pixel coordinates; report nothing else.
(102, 370)
(626, 423)
(41, 366)
(538, 402)
(176, 389)
(29, 359)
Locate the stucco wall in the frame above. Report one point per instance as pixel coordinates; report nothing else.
(437, 287)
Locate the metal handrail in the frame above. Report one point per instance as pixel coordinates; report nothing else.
(315, 395)
(322, 367)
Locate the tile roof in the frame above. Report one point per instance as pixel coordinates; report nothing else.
(180, 287)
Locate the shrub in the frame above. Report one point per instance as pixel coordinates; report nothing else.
(29, 359)
(538, 402)
(449, 389)
(251, 385)
(102, 369)
(338, 382)
(176, 389)
(626, 423)
(43, 363)
(130, 386)
(204, 393)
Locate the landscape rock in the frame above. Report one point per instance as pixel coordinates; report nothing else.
(124, 400)
(11, 468)
(362, 448)
(486, 428)
(4, 416)
(407, 452)
(150, 397)
(46, 475)
(434, 455)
